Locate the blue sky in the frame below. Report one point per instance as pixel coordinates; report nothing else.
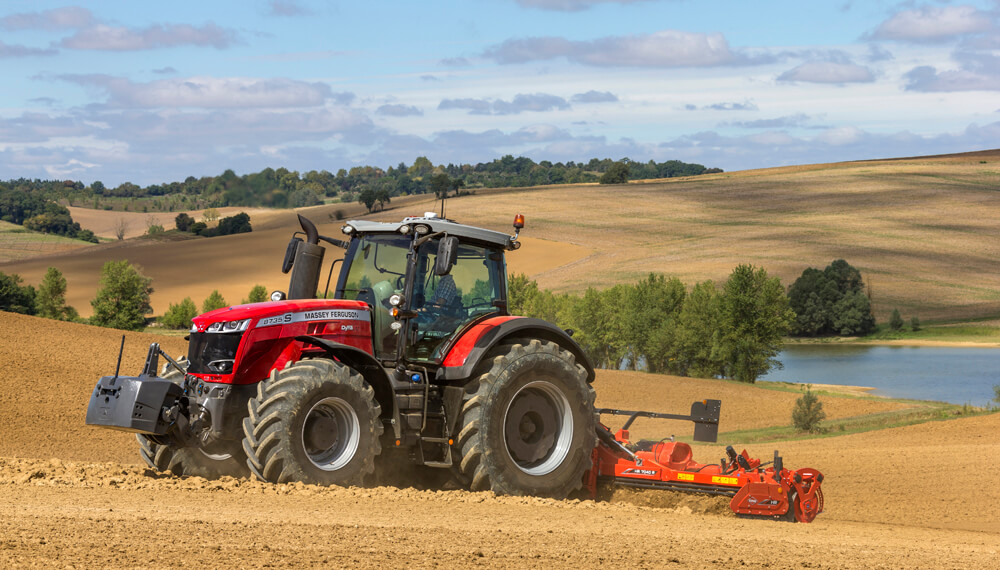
(147, 92)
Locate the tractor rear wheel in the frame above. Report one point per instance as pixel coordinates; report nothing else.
(317, 422)
(226, 460)
(528, 423)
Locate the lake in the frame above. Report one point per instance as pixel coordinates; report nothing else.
(955, 375)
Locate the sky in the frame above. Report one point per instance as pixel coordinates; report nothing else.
(150, 93)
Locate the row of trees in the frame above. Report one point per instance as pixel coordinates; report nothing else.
(179, 316)
(237, 224)
(48, 301)
(730, 332)
(283, 188)
(20, 205)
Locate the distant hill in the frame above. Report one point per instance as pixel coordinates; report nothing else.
(922, 231)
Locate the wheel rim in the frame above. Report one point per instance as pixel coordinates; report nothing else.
(538, 428)
(331, 433)
(216, 456)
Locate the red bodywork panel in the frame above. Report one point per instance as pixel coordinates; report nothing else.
(668, 465)
(269, 341)
(459, 353)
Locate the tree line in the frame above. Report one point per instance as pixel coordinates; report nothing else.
(732, 331)
(21, 205)
(283, 188)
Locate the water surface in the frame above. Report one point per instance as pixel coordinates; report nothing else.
(956, 375)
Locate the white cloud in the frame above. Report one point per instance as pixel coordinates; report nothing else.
(67, 18)
(934, 23)
(117, 38)
(828, 72)
(570, 5)
(537, 102)
(595, 97)
(9, 50)
(399, 110)
(665, 49)
(287, 8)
(210, 92)
(977, 71)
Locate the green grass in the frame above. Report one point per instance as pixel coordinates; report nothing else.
(942, 333)
(17, 242)
(959, 332)
(922, 413)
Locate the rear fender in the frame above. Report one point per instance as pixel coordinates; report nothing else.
(468, 351)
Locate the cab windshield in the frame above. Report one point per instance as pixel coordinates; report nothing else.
(443, 303)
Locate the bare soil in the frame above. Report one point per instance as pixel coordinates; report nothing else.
(923, 496)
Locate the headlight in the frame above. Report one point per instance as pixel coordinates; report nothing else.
(228, 326)
(278, 296)
(421, 228)
(396, 300)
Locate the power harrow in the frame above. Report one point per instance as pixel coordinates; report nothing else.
(758, 490)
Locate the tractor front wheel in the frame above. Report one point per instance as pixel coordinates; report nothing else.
(224, 460)
(527, 424)
(317, 422)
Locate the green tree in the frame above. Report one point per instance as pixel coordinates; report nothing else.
(914, 324)
(179, 316)
(808, 413)
(852, 315)
(213, 302)
(257, 295)
(755, 317)
(440, 185)
(13, 297)
(832, 301)
(652, 307)
(382, 197)
(896, 320)
(520, 290)
(50, 301)
(696, 347)
(183, 221)
(210, 215)
(367, 197)
(122, 300)
(617, 173)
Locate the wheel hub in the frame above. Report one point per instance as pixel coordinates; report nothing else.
(538, 428)
(320, 432)
(331, 434)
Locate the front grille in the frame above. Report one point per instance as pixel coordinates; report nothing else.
(213, 353)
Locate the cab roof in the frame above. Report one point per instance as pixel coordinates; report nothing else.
(436, 224)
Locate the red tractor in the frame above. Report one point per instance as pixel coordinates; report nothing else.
(415, 351)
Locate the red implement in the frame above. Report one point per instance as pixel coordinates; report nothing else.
(757, 490)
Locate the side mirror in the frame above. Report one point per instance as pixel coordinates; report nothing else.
(293, 244)
(446, 256)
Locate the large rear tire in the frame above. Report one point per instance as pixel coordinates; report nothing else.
(528, 423)
(317, 422)
(227, 460)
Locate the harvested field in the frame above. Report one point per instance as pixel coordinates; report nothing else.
(913, 227)
(232, 264)
(78, 496)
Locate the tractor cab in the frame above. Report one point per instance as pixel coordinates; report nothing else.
(426, 278)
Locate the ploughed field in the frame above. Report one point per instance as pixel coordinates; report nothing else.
(73, 496)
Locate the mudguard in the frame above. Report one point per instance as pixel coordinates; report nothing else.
(466, 353)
